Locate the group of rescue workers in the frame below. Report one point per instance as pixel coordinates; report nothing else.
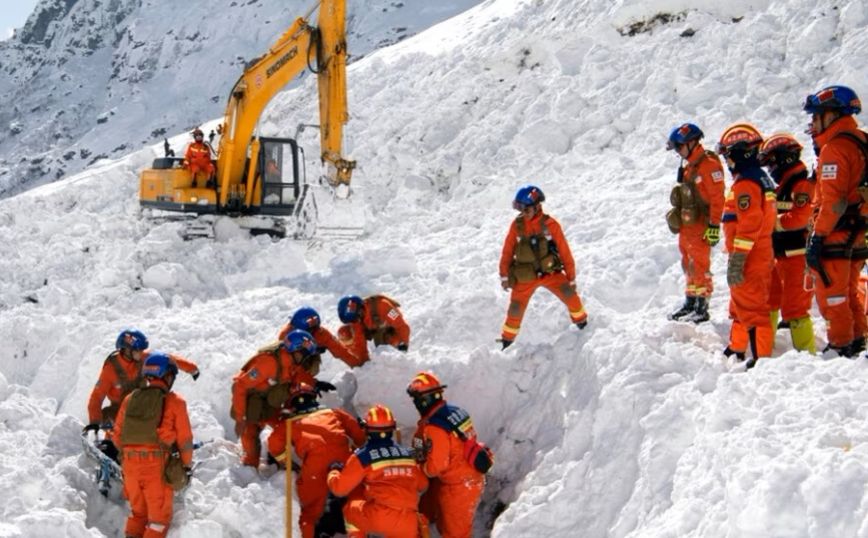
(802, 236)
(786, 243)
(374, 489)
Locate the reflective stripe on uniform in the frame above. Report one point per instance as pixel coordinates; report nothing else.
(743, 244)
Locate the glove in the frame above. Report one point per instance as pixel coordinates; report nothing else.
(402, 346)
(239, 427)
(92, 427)
(504, 282)
(188, 472)
(421, 449)
(336, 466)
(712, 234)
(735, 268)
(323, 386)
(195, 375)
(812, 253)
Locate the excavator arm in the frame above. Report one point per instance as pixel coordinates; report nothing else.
(298, 48)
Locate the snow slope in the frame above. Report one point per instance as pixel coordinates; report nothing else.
(631, 428)
(87, 80)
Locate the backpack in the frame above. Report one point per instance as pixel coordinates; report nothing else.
(863, 146)
(477, 454)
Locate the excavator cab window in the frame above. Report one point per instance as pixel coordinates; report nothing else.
(279, 164)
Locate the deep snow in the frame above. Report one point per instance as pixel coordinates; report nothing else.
(631, 428)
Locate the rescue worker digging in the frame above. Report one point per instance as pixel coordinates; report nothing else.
(836, 250)
(376, 318)
(383, 483)
(260, 389)
(697, 202)
(780, 154)
(320, 436)
(446, 446)
(152, 424)
(308, 319)
(121, 373)
(749, 219)
(535, 253)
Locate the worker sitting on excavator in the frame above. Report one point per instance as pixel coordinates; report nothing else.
(198, 160)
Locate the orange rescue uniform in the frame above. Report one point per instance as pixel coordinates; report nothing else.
(749, 219)
(381, 322)
(266, 377)
(198, 159)
(794, 194)
(149, 495)
(325, 339)
(706, 173)
(120, 376)
(839, 170)
(559, 281)
(320, 436)
(456, 486)
(388, 503)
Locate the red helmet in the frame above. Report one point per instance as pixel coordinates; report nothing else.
(380, 418)
(778, 144)
(739, 135)
(197, 132)
(424, 383)
(302, 396)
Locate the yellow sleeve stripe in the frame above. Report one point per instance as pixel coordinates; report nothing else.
(743, 244)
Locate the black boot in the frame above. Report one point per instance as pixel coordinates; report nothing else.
(686, 308)
(729, 352)
(700, 311)
(751, 334)
(505, 343)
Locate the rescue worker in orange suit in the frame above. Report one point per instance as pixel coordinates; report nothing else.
(308, 319)
(836, 249)
(122, 373)
(152, 422)
(697, 208)
(455, 484)
(261, 388)
(752, 214)
(377, 318)
(388, 480)
(197, 159)
(781, 155)
(320, 436)
(536, 254)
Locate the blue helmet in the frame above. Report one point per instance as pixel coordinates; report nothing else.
(350, 308)
(840, 98)
(158, 364)
(302, 341)
(132, 339)
(306, 319)
(683, 134)
(527, 196)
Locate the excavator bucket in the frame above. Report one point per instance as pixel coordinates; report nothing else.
(332, 217)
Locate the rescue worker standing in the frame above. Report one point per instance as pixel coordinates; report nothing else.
(780, 154)
(307, 319)
(261, 388)
(387, 502)
(697, 208)
(836, 249)
(320, 436)
(122, 373)
(376, 318)
(748, 226)
(197, 159)
(443, 434)
(152, 422)
(536, 253)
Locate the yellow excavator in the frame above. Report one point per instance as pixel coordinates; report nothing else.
(253, 175)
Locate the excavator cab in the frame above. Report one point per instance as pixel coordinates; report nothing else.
(281, 171)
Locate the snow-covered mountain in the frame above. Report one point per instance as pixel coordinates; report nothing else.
(86, 80)
(631, 428)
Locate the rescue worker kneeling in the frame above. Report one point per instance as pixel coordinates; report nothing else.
(308, 319)
(152, 424)
(535, 253)
(320, 436)
(387, 505)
